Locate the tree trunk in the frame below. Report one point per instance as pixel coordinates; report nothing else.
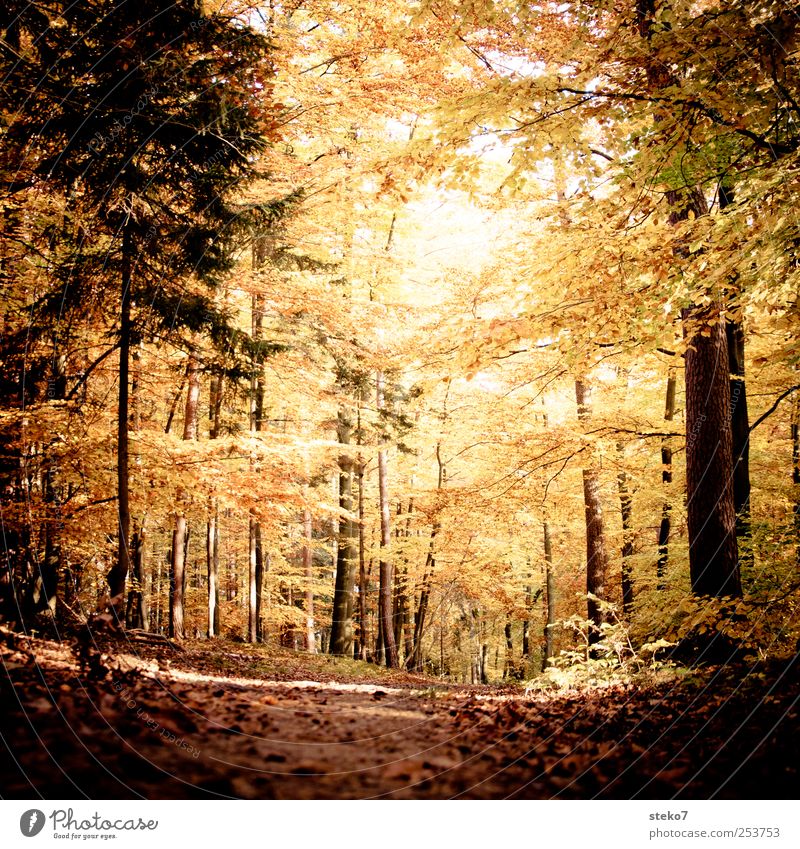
(666, 479)
(713, 561)
(740, 425)
(308, 569)
(509, 669)
(342, 624)
(794, 432)
(362, 570)
(550, 585)
(137, 613)
(212, 526)
(626, 510)
(386, 566)
(596, 551)
(212, 569)
(180, 535)
(118, 575)
(740, 439)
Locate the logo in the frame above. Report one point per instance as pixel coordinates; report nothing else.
(31, 822)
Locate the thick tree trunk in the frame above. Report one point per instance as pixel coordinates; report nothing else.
(342, 615)
(713, 560)
(596, 550)
(666, 479)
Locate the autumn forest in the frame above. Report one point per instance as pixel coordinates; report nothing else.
(444, 352)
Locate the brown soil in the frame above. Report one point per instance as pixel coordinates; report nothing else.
(254, 723)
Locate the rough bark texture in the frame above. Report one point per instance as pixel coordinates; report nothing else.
(711, 516)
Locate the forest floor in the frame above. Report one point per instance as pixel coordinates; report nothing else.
(256, 722)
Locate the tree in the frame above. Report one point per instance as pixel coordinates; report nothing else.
(99, 95)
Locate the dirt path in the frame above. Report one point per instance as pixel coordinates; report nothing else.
(171, 727)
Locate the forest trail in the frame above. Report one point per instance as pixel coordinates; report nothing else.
(194, 724)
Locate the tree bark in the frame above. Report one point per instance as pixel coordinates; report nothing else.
(342, 616)
(118, 575)
(626, 511)
(362, 570)
(596, 550)
(550, 584)
(386, 566)
(666, 479)
(713, 561)
(180, 534)
(308, 569)
(255, 581)
(212, 569)
(212, 525)
(740, 436)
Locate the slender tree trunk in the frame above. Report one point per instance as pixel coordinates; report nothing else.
(596, 550)
(713, 560)
(740, 424)
(180, 535)
(740, 436)
(212, 568)
(362, 570)
(212, 526)
(342, 623)
(252, 580)
(256, 555)
(308, 569)
(665, 527)
(626, 510)
(550, 585)
(386, 566)
(794, 432)
(509, 669)
(138, 614)
(118, 575)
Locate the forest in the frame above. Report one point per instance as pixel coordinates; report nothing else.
(443, 352)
